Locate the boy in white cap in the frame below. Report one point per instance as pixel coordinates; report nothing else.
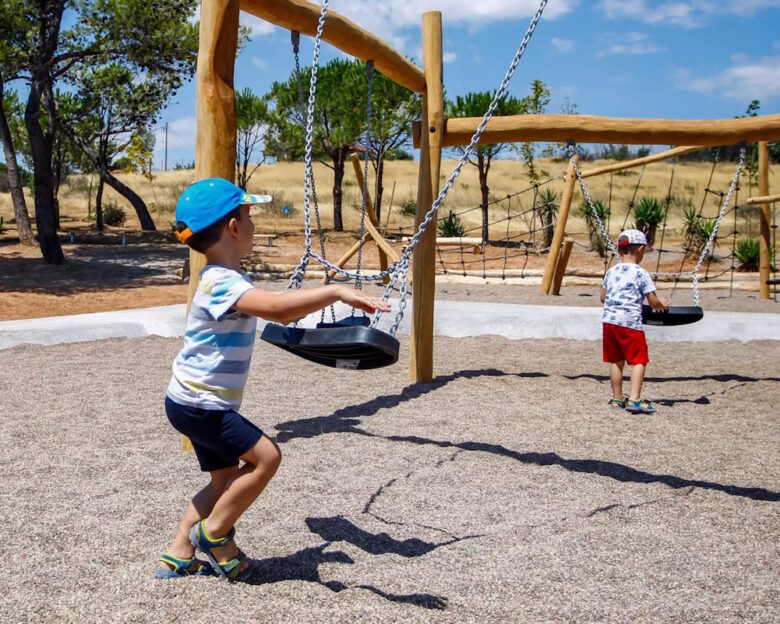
(623, 290)
(210, 372)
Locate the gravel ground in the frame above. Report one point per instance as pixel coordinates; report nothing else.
(502, 491)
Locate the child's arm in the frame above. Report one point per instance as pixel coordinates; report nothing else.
(293, 305)
(656, 302)
(603, 294)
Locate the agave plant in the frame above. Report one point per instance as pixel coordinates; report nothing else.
(648, 214)
(450, 226)
(547, 208)
(597, 241)
(748, 252)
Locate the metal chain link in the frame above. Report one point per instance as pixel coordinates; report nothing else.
(572, 151)
(366, 143)
(714, 233)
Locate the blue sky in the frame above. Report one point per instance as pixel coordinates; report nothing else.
(686, 59)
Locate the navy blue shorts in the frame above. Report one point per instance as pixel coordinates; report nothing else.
(219, 437)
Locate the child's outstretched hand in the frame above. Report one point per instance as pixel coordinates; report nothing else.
(360, 300)
(665, 301)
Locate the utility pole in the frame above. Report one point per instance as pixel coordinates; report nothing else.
(165, 165)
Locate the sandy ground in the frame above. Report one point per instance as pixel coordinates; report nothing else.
(502, 491)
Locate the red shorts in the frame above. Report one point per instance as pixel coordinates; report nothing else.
(624, 343)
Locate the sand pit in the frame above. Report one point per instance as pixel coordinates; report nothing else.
(503, 491)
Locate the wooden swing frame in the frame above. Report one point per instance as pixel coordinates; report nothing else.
(216, 131)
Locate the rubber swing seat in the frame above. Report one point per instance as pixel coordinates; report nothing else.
(351, 347)
(673, 315)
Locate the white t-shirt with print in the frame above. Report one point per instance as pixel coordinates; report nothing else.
(627, 285)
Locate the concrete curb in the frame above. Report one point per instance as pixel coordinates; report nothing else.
(453, 318)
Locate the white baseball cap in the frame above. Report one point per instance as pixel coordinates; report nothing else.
(632, 237)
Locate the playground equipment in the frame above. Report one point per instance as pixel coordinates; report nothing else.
(216, 123)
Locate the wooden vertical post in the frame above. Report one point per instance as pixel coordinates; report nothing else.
(560, 266)
(560, 227)
(215, 136)
(424, 263)
(766, 242)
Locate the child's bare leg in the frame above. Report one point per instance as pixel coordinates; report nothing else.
(637, 378)
(616, 379)
(242, 489)
(198, 508)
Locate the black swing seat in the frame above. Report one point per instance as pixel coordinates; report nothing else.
(351, 347)
(347, 321)
(673, 315)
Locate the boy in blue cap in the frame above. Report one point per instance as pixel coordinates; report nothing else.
(210, 372)
(623, 290)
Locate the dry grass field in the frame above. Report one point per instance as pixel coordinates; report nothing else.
(507, 177)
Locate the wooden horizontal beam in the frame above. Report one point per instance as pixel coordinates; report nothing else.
(765, 199)
(594, 129)
(639, 162)
(344, 34)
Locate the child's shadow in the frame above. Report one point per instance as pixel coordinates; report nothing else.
(304, 564)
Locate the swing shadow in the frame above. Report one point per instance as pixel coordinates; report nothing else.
(611, 470)
(304, 564)
(346, 420)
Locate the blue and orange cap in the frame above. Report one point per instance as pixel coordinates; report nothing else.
(207, 201)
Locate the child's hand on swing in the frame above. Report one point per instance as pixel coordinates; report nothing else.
(358, 299)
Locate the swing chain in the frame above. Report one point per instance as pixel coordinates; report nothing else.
(714, 233)
(366, 145)
(570, 146)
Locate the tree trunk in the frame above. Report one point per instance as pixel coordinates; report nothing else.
(41, 147)
(125, 191)
(99, 206)
(549, 222)
(484, 190)
(138, 204)
(21, 215)
(338, 176)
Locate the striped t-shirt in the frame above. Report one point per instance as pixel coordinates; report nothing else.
(211, 369)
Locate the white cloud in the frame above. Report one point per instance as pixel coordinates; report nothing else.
(744, 80)
(259, 63)
(687, 14)
(449, 57)
(391, 19)
(257, 26)
(628, 43)
(181, 140)
(564, 46)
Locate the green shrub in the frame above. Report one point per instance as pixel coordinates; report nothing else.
(409, 207)
(113, 215)
(748, 252)
(648, 215)
(450, 226)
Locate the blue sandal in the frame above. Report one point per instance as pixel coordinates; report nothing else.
(181, 568)
(230, 569)
(641, 406)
